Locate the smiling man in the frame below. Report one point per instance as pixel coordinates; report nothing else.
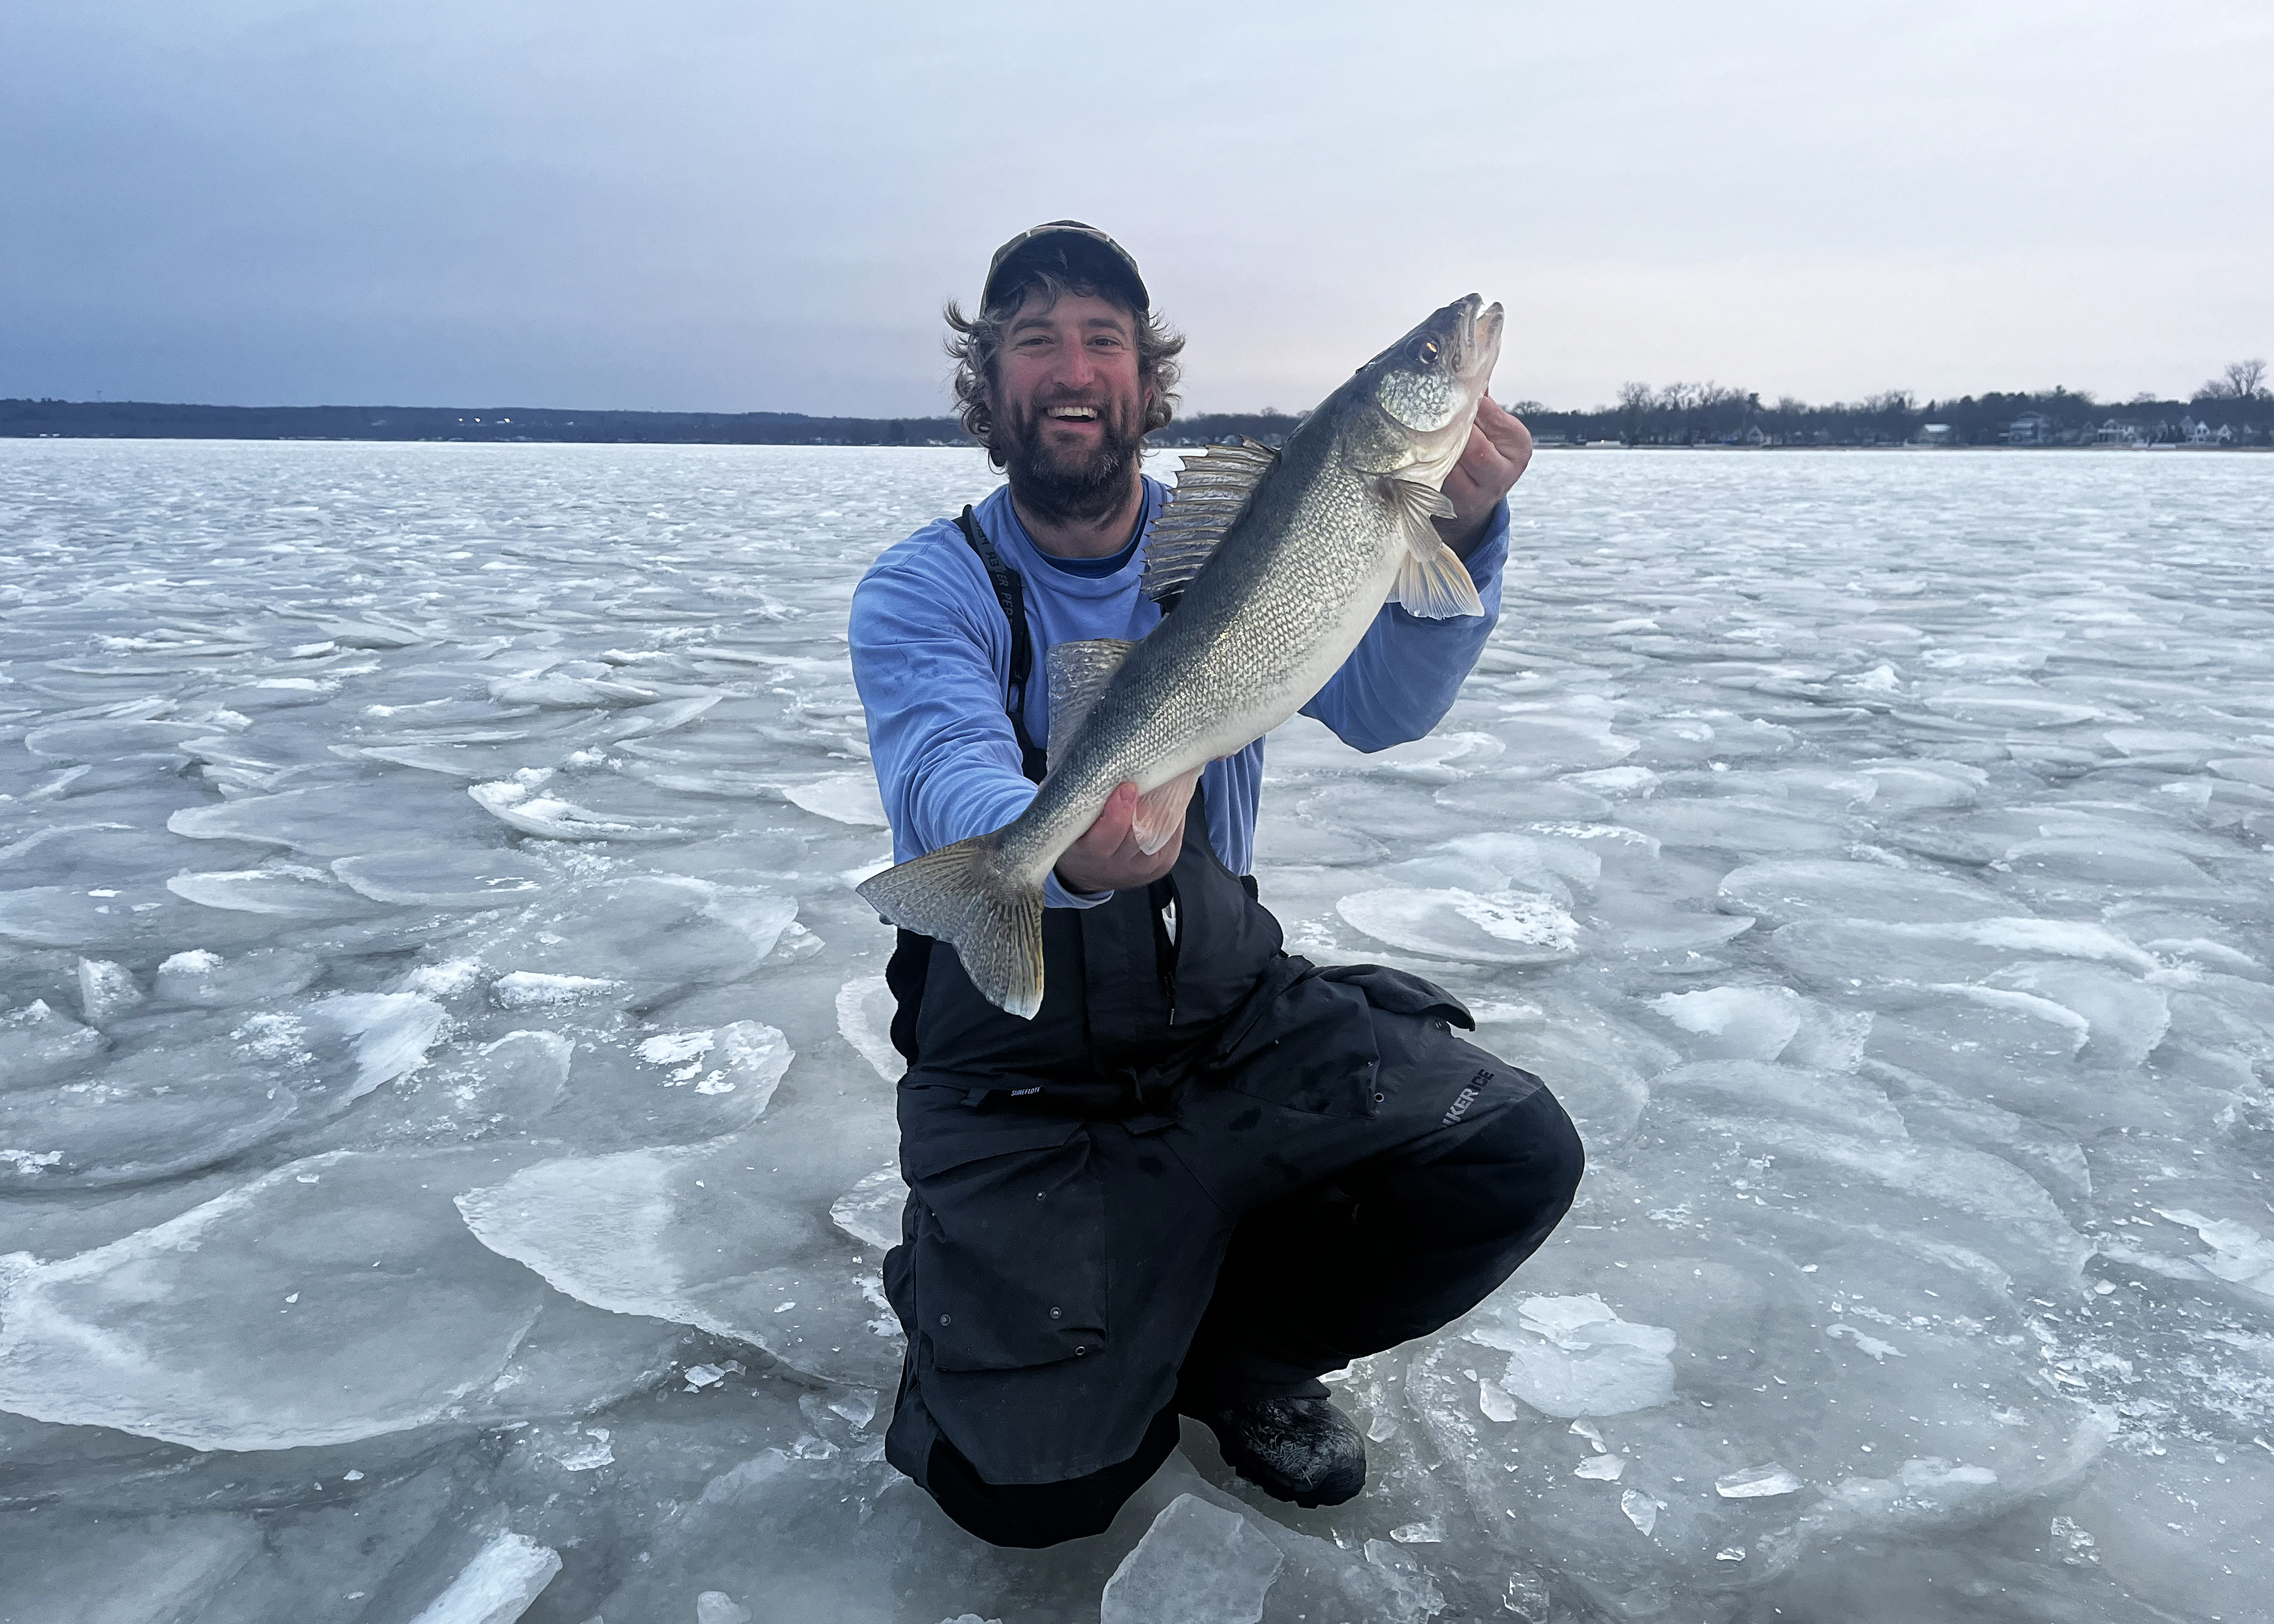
(1207, 1172)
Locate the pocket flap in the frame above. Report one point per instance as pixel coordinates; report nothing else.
(1401, 994)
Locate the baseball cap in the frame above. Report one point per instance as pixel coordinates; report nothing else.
(1070, 248)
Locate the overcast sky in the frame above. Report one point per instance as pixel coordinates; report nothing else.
(749, 206)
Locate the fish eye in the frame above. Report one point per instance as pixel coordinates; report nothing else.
(1427, 351)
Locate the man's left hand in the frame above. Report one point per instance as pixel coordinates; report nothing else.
(1492, 462)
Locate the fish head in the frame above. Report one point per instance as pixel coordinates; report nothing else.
(1428, 384)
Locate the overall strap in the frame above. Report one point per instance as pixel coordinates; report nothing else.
(1010, 592)
(906, 973)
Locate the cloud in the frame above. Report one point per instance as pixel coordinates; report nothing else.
(729, 207)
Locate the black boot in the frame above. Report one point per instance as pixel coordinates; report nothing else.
(1302, 1449)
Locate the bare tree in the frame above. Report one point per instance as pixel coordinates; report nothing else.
(2242, 380)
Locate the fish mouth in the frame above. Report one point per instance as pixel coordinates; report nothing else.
(1484, 335)
(1478, 326)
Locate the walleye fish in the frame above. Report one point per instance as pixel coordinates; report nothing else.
(1281, 561)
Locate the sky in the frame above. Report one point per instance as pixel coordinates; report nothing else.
(724, 204)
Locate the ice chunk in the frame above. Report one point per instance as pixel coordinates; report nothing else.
(497, 1586)
(401, 1316)
(2021, 705)
(1734, 823)
(842, 797)
(203, 1089)
(864, 1018)
(1820, 887)
(1494, 1401)
(106, 991)
(649, 935)
(718, 1608)
(531, 989)
(1749, 1023)
(37, 1045)
(2124, 1019)
(1601, 1467)
(638, 1232)
(339, 820)
(520, 806)
(205, 978)
(476, 878)
(870, 1211)
(1514, 928)
(589, 1456)
(1641, 1509)
(1197, 1564)
(744, 1054)
(1573, 1355)
(2238, 1253)
(284, 890)
(1617, 781)
(1756, 1483)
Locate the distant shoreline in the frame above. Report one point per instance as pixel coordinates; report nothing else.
(2058, 421)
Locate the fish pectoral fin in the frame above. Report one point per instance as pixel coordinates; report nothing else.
(1436, 588)
(1212, 491)
(1078, 673)
(1160, 811)
(1432, 581)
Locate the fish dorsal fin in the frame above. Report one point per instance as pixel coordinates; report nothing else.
(1212, 491)
(1432, 581)
(1079, 673)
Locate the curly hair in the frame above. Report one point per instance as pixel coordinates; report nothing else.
(974, 342)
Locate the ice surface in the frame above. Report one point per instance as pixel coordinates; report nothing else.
(1197, 1564)
(1868, 851)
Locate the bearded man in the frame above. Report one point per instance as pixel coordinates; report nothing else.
(1207, 1172)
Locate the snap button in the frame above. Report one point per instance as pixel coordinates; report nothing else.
(1379, 1098)
(947, 1319)
(1079, 1351)
(1040, 1195)
(1054, 1313)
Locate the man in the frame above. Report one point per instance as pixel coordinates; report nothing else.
(1207, 1172)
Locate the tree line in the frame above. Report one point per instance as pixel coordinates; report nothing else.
(1690, 414)
(2235, 408)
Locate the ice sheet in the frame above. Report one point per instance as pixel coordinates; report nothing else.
(437, 857)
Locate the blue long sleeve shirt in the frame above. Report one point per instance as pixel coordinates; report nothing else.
(931, 658)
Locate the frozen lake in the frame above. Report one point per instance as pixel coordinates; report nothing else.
(445, 1121)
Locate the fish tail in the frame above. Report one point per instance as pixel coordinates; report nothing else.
(962, 895)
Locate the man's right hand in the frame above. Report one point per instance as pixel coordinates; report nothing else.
(1107, 858)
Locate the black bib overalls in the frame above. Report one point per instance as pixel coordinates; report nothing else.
(1205, 1171)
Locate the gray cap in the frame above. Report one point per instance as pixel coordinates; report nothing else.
(1071, 249)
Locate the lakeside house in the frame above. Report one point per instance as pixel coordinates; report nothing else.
(2032, 428)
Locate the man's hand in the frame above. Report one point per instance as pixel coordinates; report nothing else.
(1492, 462)
(1106, 857)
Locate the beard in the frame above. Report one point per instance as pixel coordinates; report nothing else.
(1075, 484)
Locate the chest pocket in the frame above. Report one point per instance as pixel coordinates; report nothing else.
(1010, 1257)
